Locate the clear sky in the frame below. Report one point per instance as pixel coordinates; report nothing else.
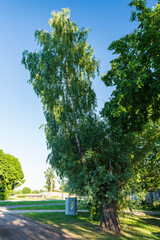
(20, 110)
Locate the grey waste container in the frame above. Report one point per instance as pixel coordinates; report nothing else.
(71, 206)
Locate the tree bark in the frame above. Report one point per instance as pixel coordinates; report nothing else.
(109, 217)
(151, 198)
(51, 186)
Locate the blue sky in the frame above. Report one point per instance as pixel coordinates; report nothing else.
(21, 110)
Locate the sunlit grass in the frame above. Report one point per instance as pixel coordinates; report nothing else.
(30, 202)
(49, 207)
(80, 226)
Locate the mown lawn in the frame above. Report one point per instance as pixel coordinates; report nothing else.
(80, 226)
(30, 202)
(49, 207)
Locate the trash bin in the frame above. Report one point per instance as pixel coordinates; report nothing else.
(71, 206)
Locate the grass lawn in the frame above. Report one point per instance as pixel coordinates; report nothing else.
(147, 208)
(30, 202)
(134, 228)
(49, 207)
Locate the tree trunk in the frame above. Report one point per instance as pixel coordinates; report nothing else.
(51, 186)
(151, 198)
(109, 217)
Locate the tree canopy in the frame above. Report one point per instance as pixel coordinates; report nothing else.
(50, 182)
(26, 190)
(11, 174)
(94, 154)
(135, 73)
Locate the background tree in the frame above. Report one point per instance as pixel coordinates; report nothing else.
(16, 192)
(50, 182)
(26, 190)
(38, 191)
(135, 73)
(11, 174)
(149, 168)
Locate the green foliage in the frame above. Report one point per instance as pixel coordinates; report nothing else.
(11, 174)
(17, 192)
(135, 72)
(49, 175)
(97, 157)
(21, 196)
(60, 74)
(26, 190)
(64, 186)
(37, 191)
(149, 169)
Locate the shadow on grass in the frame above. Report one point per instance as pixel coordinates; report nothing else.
(81, 227)
(152, 221)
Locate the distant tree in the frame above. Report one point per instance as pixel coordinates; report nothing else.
(38, 191)
(11, 174)
(41, 190)
(50, 182)
(17, 192)
(26, 190)
(35, 191)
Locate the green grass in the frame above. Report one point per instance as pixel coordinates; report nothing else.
(148, 207)
(49, 207)
(29, 202)
(134, 228)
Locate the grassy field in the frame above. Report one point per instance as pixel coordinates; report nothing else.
(49, 207)
(134, 228)
(6, 203)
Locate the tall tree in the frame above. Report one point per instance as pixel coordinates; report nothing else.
(60, 75)
(11, 174)
(95, 158)
(50, 182)
(135, 73)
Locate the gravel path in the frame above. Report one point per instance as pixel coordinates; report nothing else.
(15, 227)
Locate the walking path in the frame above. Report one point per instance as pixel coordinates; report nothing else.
(15, 227)
(150, 213)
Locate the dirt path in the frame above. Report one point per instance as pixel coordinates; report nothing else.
(15, 227)
(142, 213)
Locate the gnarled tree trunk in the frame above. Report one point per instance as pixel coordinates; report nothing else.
(109, 217)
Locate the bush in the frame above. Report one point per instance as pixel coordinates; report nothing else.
(4, 195)
(21, 196)
(26, 190)
(17, 192)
